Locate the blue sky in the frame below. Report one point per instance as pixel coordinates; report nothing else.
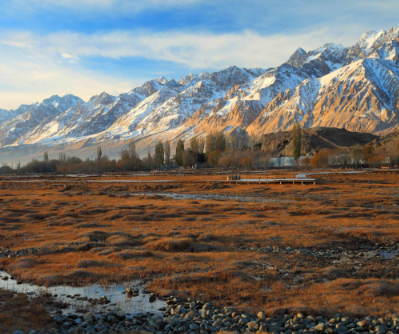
(85, 47)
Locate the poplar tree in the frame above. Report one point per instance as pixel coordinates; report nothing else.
(132, 149)
(296, 141)
(179, 152)
(159, 154)
(167, 152)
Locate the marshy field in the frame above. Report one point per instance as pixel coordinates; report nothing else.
(199, 257)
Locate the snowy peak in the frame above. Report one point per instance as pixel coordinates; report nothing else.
(333, 55)
(186, 80)
(63, 103)
(172, 83)
(372, 40)
(368, 38)
(231, 76)
(104, 98)
(297, 58)
(389, 51)
(162, 80)
(147, 89)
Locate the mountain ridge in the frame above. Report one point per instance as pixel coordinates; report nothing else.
(353, 87)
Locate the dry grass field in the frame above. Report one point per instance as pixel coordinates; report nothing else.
(276, 248)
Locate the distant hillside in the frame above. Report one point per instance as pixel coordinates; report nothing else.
(314, 140)
(388, 144)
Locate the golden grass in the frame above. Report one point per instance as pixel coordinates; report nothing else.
(191, 247)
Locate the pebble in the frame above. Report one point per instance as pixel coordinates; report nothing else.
(188, 317)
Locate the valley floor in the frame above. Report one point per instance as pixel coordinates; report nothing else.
(318, 249)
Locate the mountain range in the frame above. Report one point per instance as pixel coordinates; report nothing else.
(355, 88)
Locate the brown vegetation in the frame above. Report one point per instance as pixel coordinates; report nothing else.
(18, 312)
(80, 232)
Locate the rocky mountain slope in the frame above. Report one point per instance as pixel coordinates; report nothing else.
(355, 88)
(15, 129)
(362, 96)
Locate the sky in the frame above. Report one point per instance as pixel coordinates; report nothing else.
(85, 47)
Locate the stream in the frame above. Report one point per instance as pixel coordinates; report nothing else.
(182, 196)
(77, 298)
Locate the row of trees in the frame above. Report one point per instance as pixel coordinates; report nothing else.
(353, 157)
(239, 150)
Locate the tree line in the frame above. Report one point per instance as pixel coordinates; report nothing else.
(236, 151)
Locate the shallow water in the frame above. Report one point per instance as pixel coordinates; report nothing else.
(389, 255)
(181, 196)
(113, 292)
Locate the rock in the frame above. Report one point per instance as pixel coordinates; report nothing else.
(18, 332)
(207, 306)
(121, 314)
(32, 332)
(73, 316)
(252, 324)
(261, 315)
(193, 326)
(88, 315)
(66, 325)
(320, 327)
(363, 323)
(342, 330)
(381, 329)
(58, 319)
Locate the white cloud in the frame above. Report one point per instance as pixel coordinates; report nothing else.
(68, 56)
(195, 50)
(28, 77)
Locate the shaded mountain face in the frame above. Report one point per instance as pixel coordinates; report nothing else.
(354, 88)
(5, 115)
(315, 140)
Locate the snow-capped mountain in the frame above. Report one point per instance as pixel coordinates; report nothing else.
(353, 87)
(29, 117)
(334, 56)
(362, 97)
(5, 115)
(87, 119)
(173, 105)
